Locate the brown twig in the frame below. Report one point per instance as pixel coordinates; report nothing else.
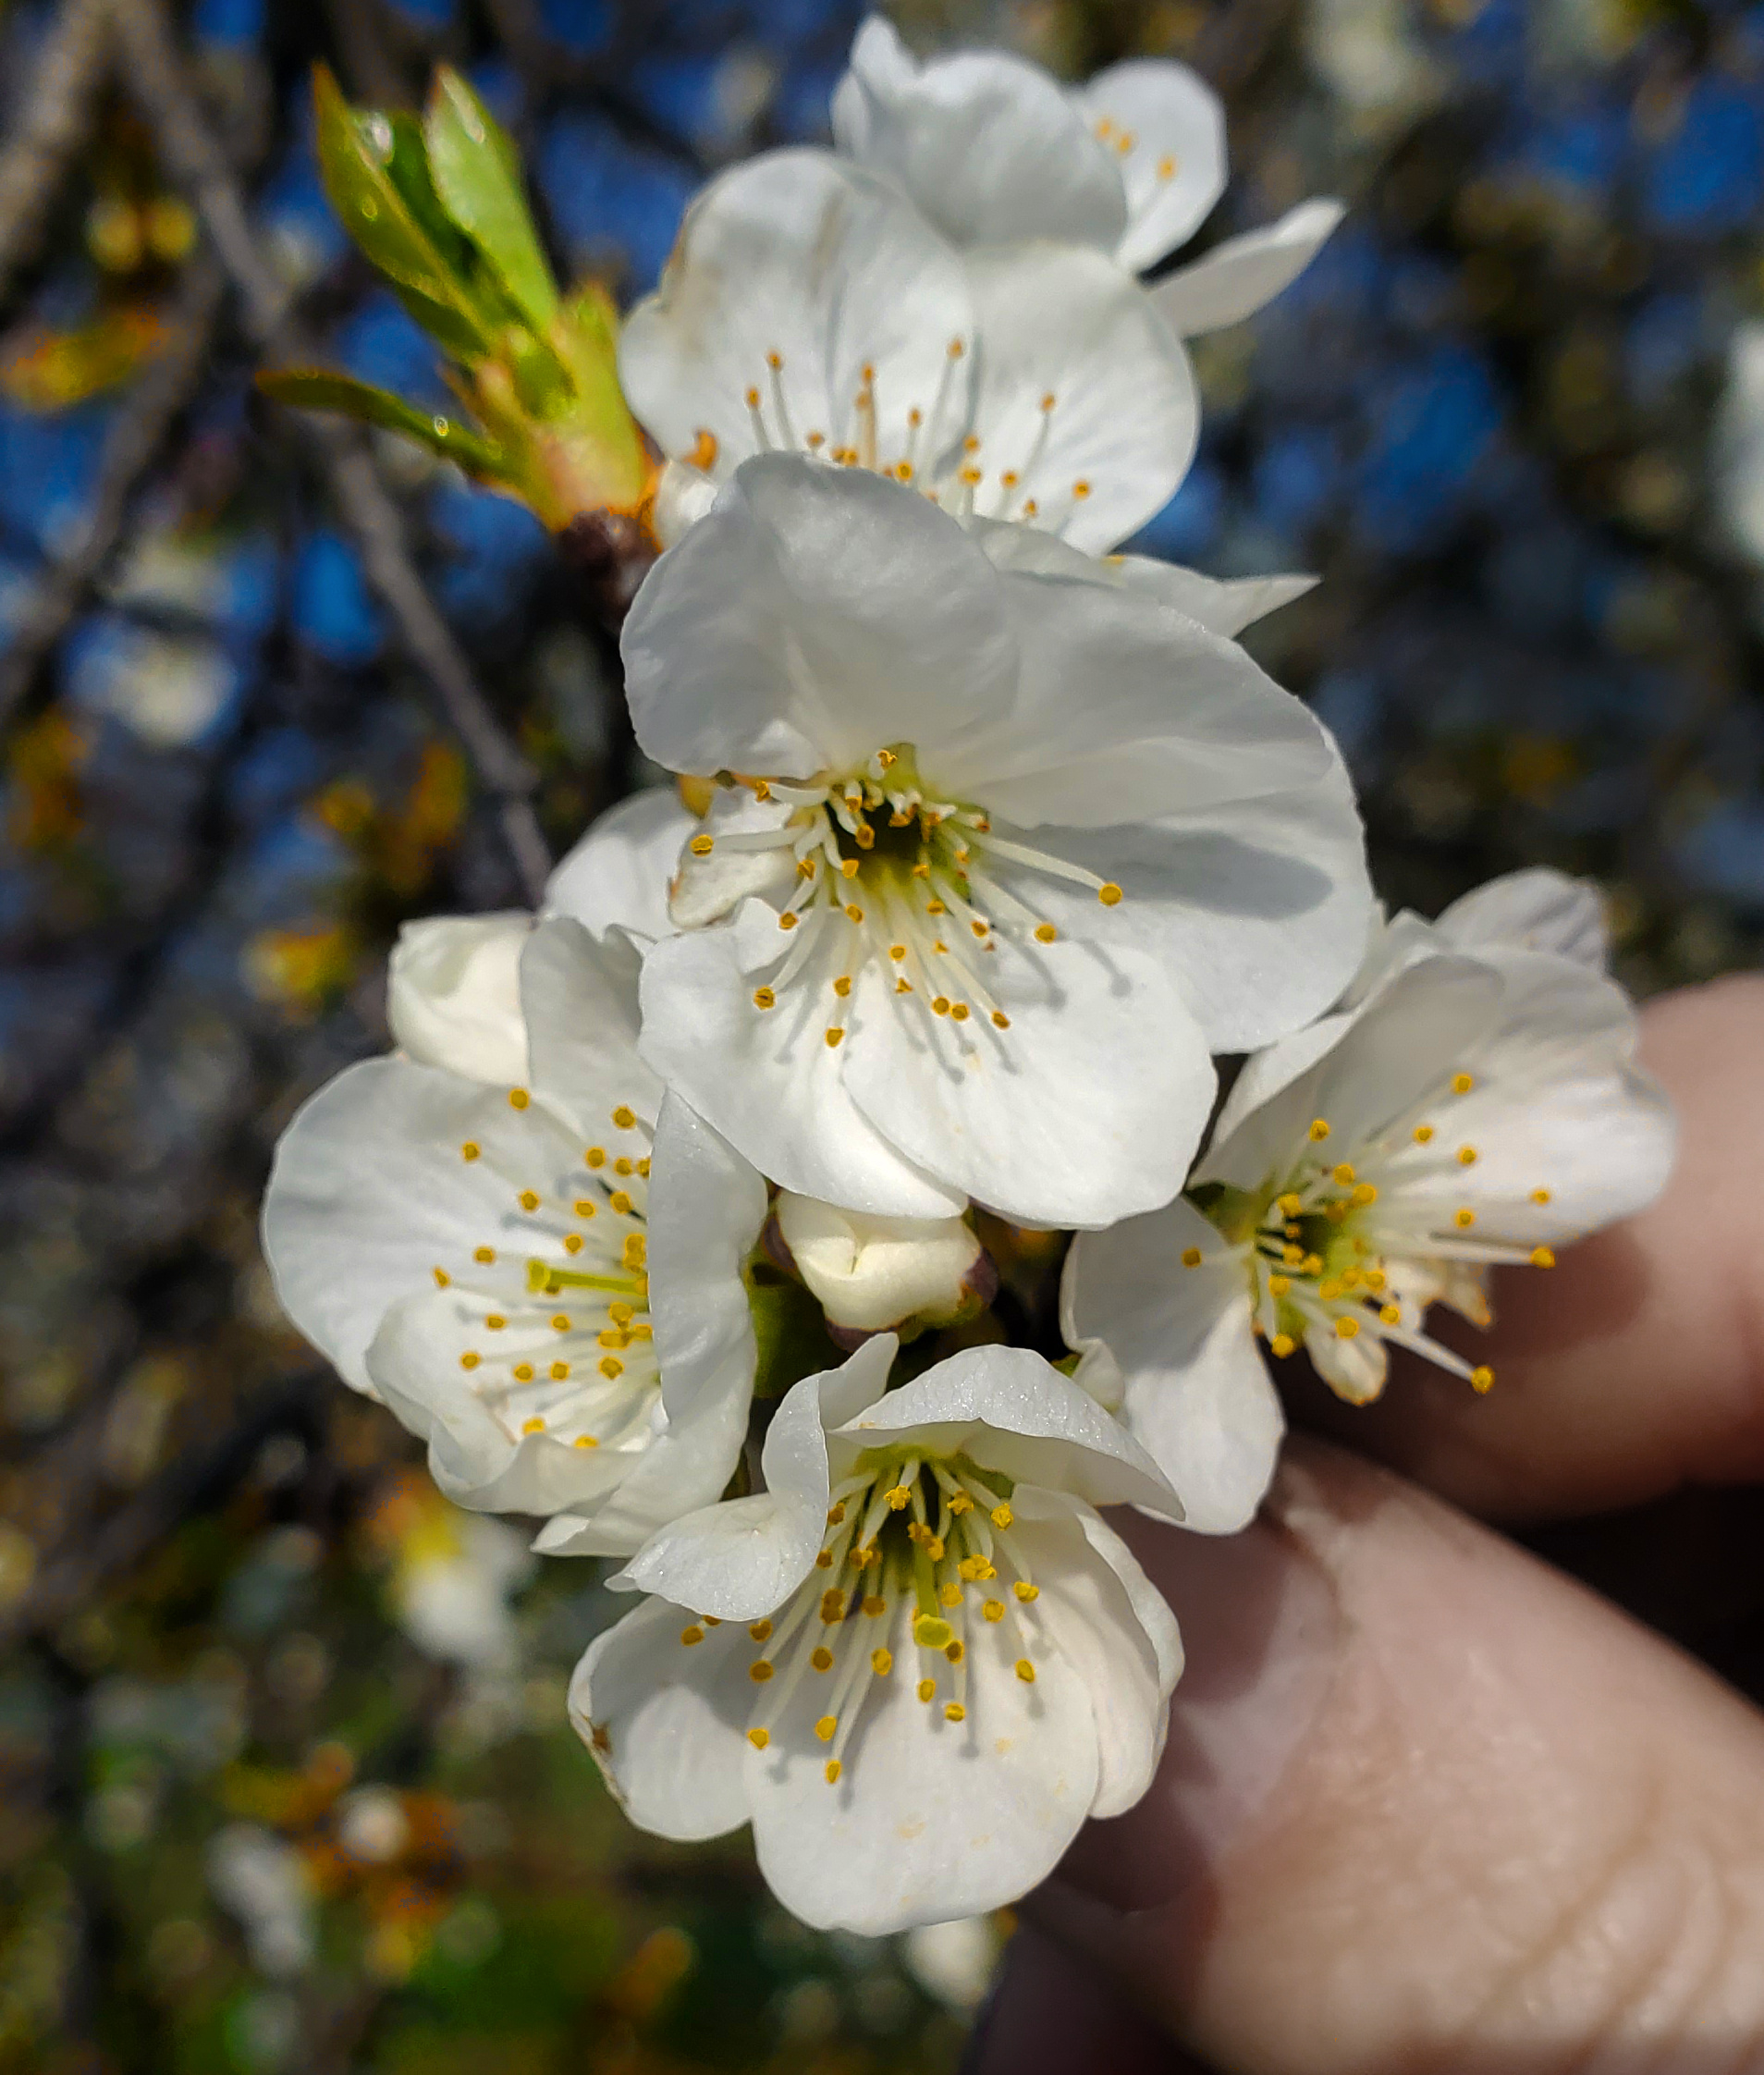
(155, 78)
(55, 108)
(133, 445)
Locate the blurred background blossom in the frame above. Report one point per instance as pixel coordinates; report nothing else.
(286, 1779)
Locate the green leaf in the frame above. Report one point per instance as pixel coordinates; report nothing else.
(317, 388)
(357, 155)
(477, 175)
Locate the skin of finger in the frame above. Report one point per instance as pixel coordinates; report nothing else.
(1637, 1365)
(1050, 2009)
(1500, 1827)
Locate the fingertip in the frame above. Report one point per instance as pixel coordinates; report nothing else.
(1051, 2013)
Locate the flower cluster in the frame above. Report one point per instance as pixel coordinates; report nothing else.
(997, 844)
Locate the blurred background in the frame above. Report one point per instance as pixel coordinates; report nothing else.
(284, 1778)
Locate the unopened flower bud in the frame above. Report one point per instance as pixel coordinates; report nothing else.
(453, 995)
(870, 1274)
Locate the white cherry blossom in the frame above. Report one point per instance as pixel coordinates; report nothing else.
(1479, 1105)
(809, 307)
(541, 1277)
(453, 994)
(996, 150)
(917, 1662)
(1007, 852)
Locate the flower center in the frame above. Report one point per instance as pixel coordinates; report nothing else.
(1341, 1247)
(888, 875)
(936, 453)
(554, 1306)
(916, 1550)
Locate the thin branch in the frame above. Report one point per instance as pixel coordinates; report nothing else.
(55, 111)
(133, 444)
(155, 78)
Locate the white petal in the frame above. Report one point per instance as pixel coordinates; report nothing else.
(1062, 322)
(795, 272)
(714, 880)
(746, 1556)
(930, 1818)
(1354, 1368)
(706, 1209)
(816, 615)
(1257, 910)
(1009, 1410)
(683, 494)
(617, 877)
(581, 997)
(987, 145)
(1382, 1064)
(769, 1083)
(1535, 910)
(1125, 711)
(368, 1194)
(1236, 279)
(414, 1361)
(1197, 1395)
(870, 1274)
(1110, 1626)
(1167, 129)
(1090, 1105)
(666, 1721)
(453, 995)
(1221, 606)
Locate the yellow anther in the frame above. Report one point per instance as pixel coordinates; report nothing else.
(835, 1514)
(1482, 1380)
(519, 1098)
(585, 1441)
(560, 1372)
(950, 1593)
(930, 1631)
(1344, 1174)
(1346, 1328)
(484, 1254)
(1109, 893)
(899, 1498)
(610, 1367)
(1045, 934)
(960, 1502)
(1048, 400)
(1191, 1257)
(1541, 1256)
(573, 1243)
(1423, 1134)
(1466, 1156)
(993, 1610)
(1025, 1591)
(1541, 1196)
(959, 1012)
(595, 1156)
(843, 986)
(831, 1771)
(1166, 167)
(442, 1278)
(826, 1727)
(1278, 1285)
(701, 845)
(760, 1630)
(874, 1603)
(822, 1658)
(624, 1117)
(832, 1604)
(583, 1208)
(1282, 1344)
(619, 1203)
(470, 1360)
(940, 1005)
(1464, 1218)
(760, 1670)
(1319, 1130)
(692, 1634)
(1364, 1193)
(926, 1688)
(1001, 1021)
(470, 1149)
(1002, 1516)
(1462, 1083)
(881, 1662)
(1025, 1670)
(495, 1320)
(824, 1561)
(1082, 490)
(523, 1374)
(759, 1739)
(1390, 1314)
(753, 400)
(954, 1711)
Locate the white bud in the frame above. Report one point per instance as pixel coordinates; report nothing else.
(870, 1274)
(453, 995)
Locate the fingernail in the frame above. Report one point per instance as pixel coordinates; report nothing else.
(1261, 1629)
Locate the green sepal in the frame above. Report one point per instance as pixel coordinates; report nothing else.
(312, 389)
(791, 1334)
(476, 172)
(376, 176)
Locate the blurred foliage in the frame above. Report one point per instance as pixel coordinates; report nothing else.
(285, 1779)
